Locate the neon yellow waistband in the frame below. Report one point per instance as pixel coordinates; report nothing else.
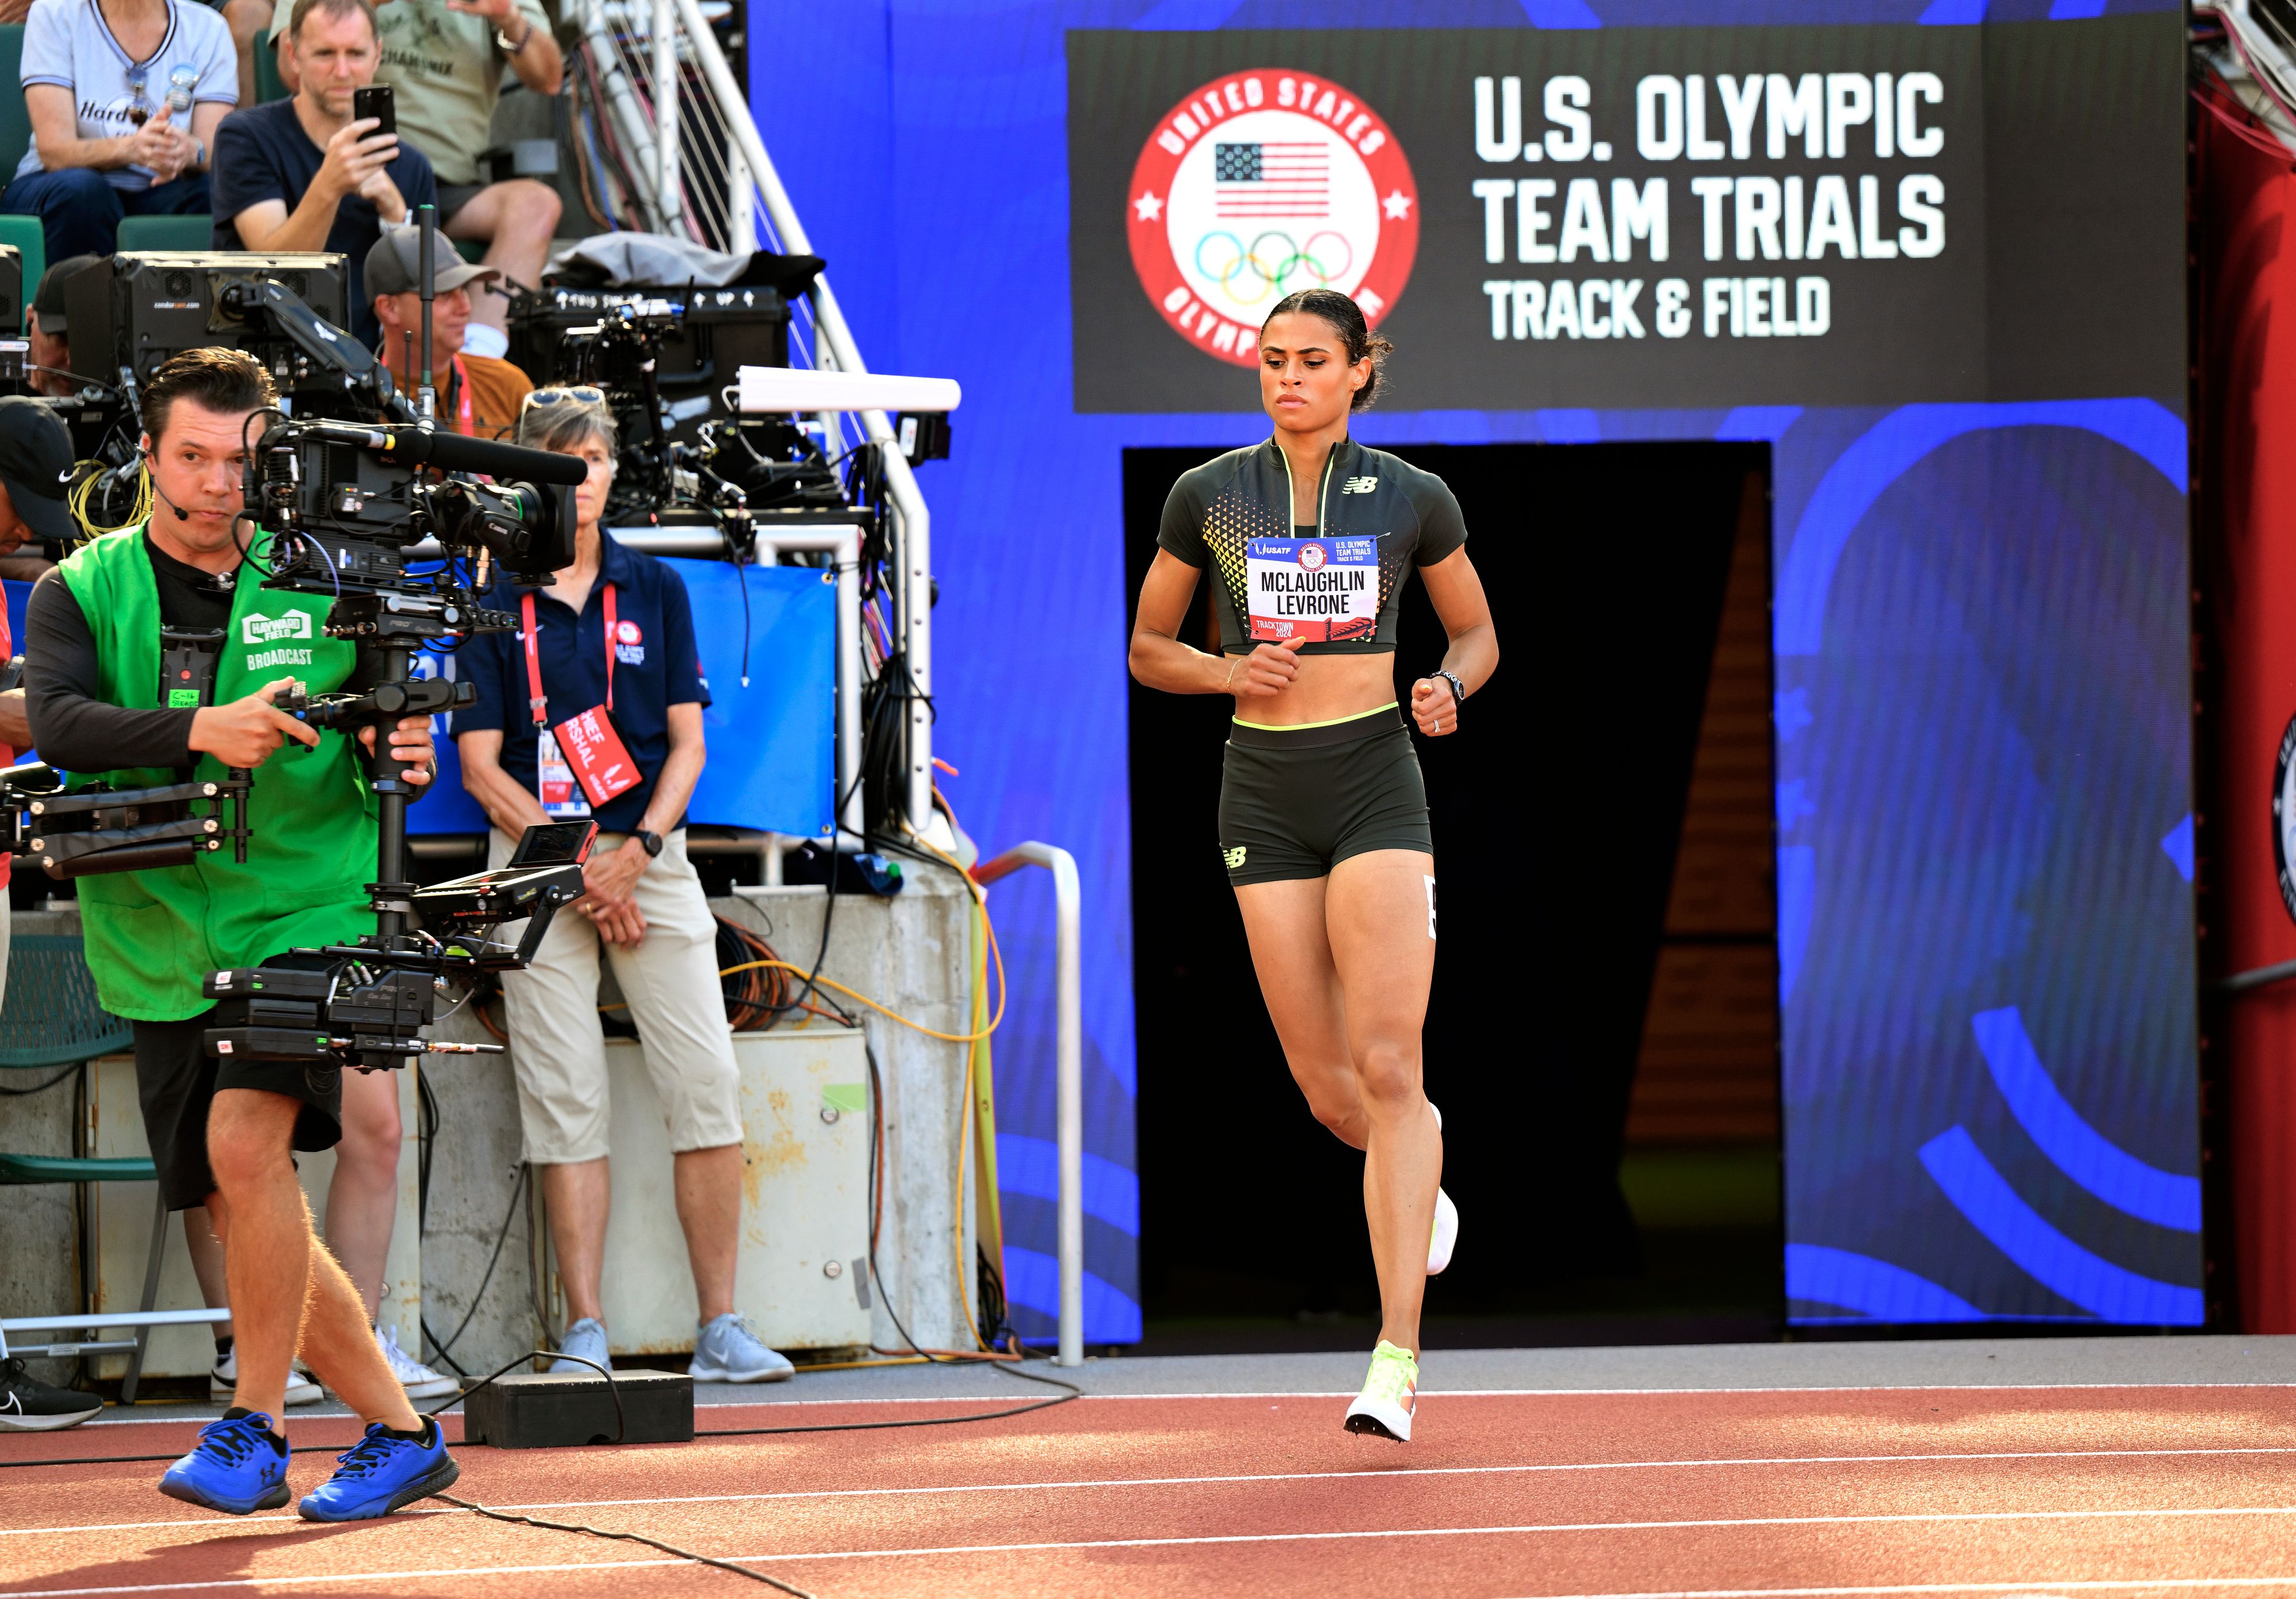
(1303, 726)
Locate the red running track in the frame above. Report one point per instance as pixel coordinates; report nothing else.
(2096, 1492)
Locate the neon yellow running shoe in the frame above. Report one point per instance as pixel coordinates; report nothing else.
(1390, 1389)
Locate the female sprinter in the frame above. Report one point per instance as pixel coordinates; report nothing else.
(1322, 817)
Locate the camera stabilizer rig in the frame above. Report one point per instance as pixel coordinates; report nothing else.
(339, 505)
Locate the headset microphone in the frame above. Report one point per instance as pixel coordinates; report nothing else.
(153, 478)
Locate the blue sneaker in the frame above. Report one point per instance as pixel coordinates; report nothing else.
(380, 1474)
(729, 1351)
(588, 1339)
(238, 1465)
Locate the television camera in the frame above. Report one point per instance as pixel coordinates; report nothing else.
(664, 357)
(398, 523)
(131, 311)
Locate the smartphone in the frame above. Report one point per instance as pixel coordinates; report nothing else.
(375, 101)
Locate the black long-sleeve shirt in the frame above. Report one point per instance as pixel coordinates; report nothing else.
(72, 727)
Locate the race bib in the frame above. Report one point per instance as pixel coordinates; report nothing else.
(560, 794)
(1317, 589)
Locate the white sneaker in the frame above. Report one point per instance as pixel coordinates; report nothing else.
(418, 1381)
(223, 1382)
(1446, 1236)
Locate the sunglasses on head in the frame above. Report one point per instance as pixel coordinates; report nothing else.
(579, 395)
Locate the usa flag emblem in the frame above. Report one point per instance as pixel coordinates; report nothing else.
(1287, 178)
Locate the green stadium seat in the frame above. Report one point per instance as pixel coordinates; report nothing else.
(269, 86)
(15, 121)
(471, 249)
(166, 232)
(15, 138)
(52, 1019)
(32, 244)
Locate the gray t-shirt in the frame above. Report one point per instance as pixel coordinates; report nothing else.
(68, 43)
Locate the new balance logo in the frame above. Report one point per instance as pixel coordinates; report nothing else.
(264, 629)
(1358, 485)
(1234, 856)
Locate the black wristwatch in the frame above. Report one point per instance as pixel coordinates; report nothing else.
(1459, 689)
(652, 840)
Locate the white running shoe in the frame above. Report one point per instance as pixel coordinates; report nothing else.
(1391, 1392)
(1446, 1236)
(418, 1381)
(222, 1382)
(728, 1349)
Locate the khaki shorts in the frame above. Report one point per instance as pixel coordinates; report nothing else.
(558, 1050)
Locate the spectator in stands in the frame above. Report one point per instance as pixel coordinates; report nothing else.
(477, 394)
(621, 613)
(301, 174)
(444, 61)
(48, 333)
(124, 97)
(249, 22)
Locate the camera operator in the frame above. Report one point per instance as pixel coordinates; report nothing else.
(222, 1130)
(477, 394)
(613, 633)
(34, 457)
(36, 461)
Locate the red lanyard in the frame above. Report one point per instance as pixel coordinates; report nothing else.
(463, 387)
(534, 699)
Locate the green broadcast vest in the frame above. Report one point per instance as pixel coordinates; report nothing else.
(152, 936)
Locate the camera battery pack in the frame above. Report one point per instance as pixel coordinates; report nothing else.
(546, 1411)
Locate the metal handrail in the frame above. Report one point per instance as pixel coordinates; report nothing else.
(1069, 1090)
(830, 329)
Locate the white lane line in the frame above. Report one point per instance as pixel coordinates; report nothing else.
(1425, 1393)
(2039, 1588)
(2036, 1590)
(266, 1582)
(1119, 1482)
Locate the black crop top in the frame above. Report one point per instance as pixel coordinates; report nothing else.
(1338, 582)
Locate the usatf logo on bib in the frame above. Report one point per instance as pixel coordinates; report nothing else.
(268, 629)
(1262, 183)
(1315, 589)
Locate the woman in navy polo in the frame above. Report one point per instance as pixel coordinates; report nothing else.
(594, 709)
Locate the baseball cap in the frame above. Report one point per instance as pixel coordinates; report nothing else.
(36, 463)
(48, 301)
(394, 265)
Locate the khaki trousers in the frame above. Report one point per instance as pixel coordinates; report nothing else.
(670, 978)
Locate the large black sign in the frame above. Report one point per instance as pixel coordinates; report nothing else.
(1638, 218)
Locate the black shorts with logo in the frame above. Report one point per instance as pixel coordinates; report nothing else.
(1296, 801)
(176, 1080)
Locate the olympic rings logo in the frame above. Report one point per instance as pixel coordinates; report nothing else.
(1271, 273)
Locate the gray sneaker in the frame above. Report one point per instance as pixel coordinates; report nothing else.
(729, 1351)
(588, 1339)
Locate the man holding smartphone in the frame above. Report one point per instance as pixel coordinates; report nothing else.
(314, 172)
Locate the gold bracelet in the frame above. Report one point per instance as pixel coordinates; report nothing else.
(1228, 687)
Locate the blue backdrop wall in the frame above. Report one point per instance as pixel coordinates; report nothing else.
(1984, 842)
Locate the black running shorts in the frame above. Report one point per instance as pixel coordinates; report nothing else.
(176, 1080)
(1295, 801)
